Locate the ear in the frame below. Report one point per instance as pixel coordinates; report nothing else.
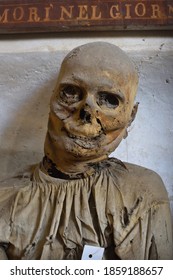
(133, 114)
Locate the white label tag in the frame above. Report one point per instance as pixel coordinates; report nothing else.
(92, 253)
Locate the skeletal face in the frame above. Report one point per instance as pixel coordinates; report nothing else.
(92, 104)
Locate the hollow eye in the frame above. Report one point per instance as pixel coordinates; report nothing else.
(70, 94)
(108, 99)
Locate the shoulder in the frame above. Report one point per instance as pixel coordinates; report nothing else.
(144, 180)
(136, 184)
(17, 181)
(9, 189)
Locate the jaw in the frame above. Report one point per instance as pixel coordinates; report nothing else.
(74, 154)
(72, 150)
(84, 142)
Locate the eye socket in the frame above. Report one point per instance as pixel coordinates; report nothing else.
(108, 99)
(70, 94)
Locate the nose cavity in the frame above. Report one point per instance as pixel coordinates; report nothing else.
(85, 116)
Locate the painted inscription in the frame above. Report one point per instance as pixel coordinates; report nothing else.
(75, 15)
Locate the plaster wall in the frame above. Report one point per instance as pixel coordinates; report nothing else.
(28, 71)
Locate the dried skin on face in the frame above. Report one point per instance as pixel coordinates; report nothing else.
(92, 103)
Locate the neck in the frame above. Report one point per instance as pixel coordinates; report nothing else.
(70, 170)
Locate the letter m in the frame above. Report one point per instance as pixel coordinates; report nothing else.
(4, 16)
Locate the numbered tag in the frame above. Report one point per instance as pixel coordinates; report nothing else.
(92, 253)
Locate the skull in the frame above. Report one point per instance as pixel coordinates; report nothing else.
(92, 105)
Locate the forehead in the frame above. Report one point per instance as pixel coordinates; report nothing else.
(93, 72)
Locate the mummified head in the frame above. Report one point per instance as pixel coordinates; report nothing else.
(92, 104)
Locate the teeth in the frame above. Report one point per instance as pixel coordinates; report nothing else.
(84, 138)
(85, 142)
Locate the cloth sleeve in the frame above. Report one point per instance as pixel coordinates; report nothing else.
(151, 236)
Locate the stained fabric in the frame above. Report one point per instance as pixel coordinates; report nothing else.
(118, 208)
